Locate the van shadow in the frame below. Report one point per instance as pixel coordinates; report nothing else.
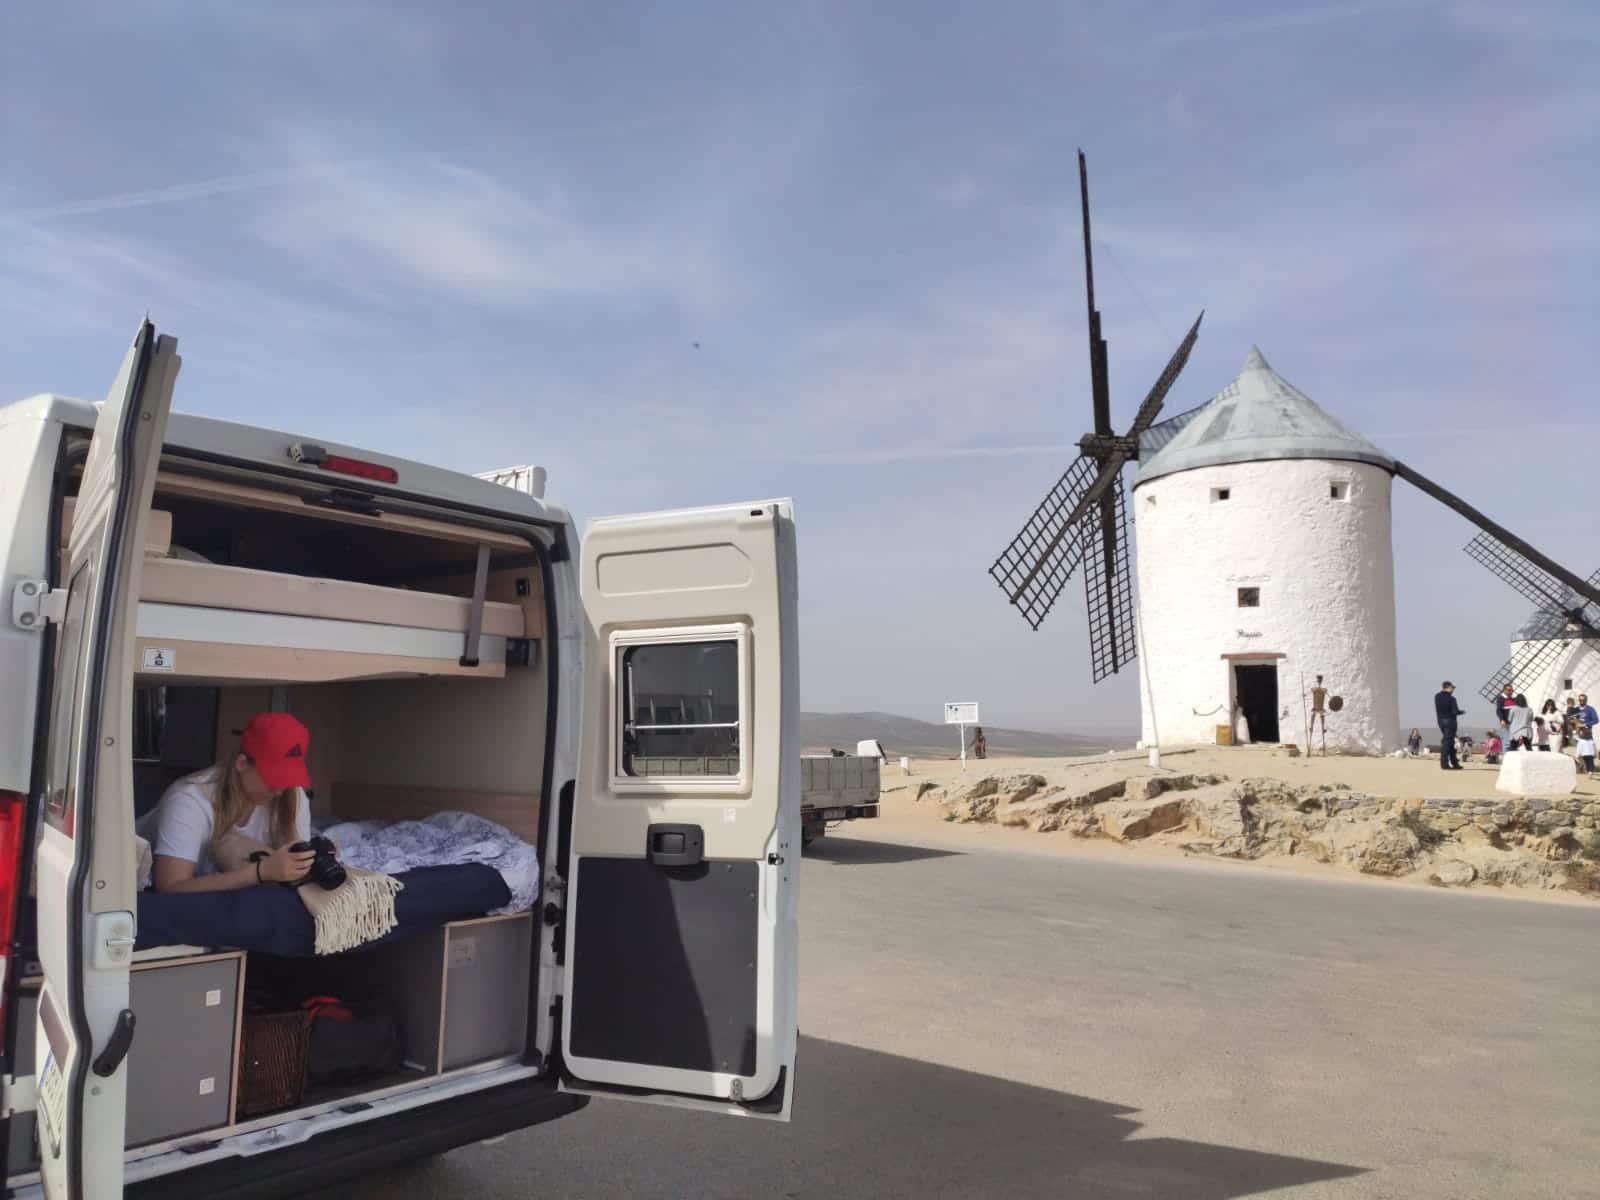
(851, 850)
(865, 1124)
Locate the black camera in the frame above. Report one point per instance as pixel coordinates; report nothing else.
(326, 870)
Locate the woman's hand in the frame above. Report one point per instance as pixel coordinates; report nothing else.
(284, 865)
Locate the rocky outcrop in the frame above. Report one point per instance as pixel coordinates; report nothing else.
(1217, 814)
(1021, 804)
(1392, 850)
(982, 800)
(1524, 841)
(1126, 820)
(1454, 873)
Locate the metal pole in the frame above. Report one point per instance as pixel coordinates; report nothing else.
(1305, 720)
(963, 735)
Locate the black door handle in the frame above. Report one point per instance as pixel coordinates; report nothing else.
(108, 1060)
(675, 845)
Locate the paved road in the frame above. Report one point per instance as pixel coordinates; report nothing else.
(994, 1023)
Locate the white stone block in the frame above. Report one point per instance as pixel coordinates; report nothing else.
(1537, 773)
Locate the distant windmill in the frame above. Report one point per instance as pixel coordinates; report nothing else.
(1564, 626)
(1084, 517)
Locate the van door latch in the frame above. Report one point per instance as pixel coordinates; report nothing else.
(108, 1060)
(34, 604)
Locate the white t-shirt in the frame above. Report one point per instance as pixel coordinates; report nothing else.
(187, 810)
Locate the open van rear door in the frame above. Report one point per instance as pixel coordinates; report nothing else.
(682, 922)
(85, 861)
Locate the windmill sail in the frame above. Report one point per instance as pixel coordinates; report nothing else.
(1108, 589)
(1083, 520)
(1534, 583)
(1042, 557)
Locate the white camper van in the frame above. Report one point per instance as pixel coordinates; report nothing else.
(452, 651)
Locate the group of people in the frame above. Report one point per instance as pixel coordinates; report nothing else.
(1553, 728)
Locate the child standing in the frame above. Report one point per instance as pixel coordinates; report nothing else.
(1541, 733)
(1491, 746)
(1586, 748)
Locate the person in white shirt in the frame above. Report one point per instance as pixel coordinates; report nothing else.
(1586, 749)
(258, 791)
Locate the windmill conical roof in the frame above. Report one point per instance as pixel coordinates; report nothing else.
(1258, 417)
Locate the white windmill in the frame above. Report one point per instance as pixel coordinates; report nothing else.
(1265, 559)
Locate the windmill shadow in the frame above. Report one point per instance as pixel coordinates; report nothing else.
(869, 1124)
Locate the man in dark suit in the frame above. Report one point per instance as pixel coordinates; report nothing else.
(1447, 711)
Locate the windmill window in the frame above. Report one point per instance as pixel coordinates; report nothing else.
(1249, 597)
(1338, 490)
(1566, 685)
(1218, 494)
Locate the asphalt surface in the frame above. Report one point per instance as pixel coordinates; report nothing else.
(995, 1023)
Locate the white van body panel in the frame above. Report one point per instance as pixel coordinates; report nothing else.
(84, 863)
(211, 438)
(29, 438)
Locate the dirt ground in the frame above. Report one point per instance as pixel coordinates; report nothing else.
(902, 815)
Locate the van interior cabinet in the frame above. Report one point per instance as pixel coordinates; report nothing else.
(485, 962)
(459, 991)
(181, 1063)
(183, 1046)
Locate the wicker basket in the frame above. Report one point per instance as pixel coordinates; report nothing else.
(272, 1066)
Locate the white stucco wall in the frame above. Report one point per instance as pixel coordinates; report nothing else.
(1325, 568)
(1578, 662)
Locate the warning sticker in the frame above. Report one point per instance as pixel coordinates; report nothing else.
(160, 658)
(52, 1105)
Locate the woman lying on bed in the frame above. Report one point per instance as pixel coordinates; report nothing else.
(259, 792)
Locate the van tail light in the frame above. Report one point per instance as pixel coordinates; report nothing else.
(317, 456)
(12, 808)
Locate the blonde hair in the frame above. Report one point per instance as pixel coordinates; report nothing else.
(231, 805)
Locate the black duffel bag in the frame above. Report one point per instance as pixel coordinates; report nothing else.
(350, 1042)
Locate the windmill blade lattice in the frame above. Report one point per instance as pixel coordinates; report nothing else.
(1108, 588)
(1532, 660)
(1042, 557)
(1533, 582)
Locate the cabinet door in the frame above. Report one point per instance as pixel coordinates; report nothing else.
(180, 1070)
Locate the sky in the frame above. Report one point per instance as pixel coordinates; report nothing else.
(688, 254)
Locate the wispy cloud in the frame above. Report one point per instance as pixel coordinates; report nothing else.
(469, 235)
(915, 453)
(178, 193)
(1292, 18)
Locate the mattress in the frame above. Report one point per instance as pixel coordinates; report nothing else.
(273, 920)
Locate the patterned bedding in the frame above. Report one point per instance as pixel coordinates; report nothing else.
(444, 839)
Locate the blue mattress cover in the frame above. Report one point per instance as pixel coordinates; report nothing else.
(272, 920)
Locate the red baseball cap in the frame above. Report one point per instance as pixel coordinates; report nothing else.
(277, 744)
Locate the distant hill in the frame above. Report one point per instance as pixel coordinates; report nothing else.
(924, 739)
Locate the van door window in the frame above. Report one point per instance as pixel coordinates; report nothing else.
(61, 781)
(680, 709)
